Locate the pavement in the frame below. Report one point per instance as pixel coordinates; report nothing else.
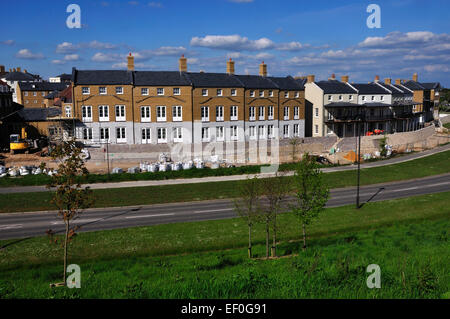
(34, 224)
(396, 160)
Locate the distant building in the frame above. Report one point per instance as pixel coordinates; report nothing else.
(16, 76)
(33, 94)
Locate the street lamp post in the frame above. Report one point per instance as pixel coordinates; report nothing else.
(361, 119)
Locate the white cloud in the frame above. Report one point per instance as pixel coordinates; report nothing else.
(155, 4)
(97, 45)
(8, 42)
(406, 40)
(28, 55)
(232, 42)
(106, 57)
(66, 47)
(292, 46)
(60, 62)
(72, 57)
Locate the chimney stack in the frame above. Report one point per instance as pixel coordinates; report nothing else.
(14, 70)
(263, 69)
(19, 69)
(130, 59)
(310, 78)
(182, 64)
(333, 77)
(230, 66)
(415, 77)
(2, 69)
(377, 78)
(387, 81)
(398, 81)
(344, 78)
(25, 71)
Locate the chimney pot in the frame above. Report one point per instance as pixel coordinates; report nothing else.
(230, 66)
(310, 78)
(263, 69)
(398, 81)
(344, 78)
(130, 64)
(415, 77)
(183, 64)
(377, 78)
(387, 81)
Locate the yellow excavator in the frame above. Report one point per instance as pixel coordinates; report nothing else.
(18, 142)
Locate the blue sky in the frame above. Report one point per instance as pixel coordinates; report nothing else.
(293, 37)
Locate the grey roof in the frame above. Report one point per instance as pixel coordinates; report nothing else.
(20, 76)
(412, 85)
(370, 88)
(287, 83)
(341, 104)
(256, 82)
(154, 78)
(38, 114)
(65, 77)
(94, 77)
(402, 89)
(335, 87)
(376, 104)
(431, 85)
(213, 80)
(302, 82)
(390, 87)
(42, 86)
(52, 95)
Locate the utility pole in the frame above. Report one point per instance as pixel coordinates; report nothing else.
(359, 164)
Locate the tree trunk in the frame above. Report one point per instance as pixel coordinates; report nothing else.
(304, 236)
(267, 239)
(249, 241)
(65, 252)
(274, 237)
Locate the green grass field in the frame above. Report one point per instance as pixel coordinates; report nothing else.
(427, 166)
(408, 238)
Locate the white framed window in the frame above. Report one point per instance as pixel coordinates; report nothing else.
(330, 116)
(373, 98)
(177, 113)
(285, 131)
(204, 92)
(251, 113)
(286, 95)
(87, 133)
(103, 113)
(233, 113)
(25, 93)
(205, 113)
(176, 91)
(43, 93)
(119, 90)
(161, 114)
(270, 131)
(261, 115)
(104, 134)
(120, 113)
(86, 113)
(296, 130)
(26, 101)
(252, 93)
(261, 93)
(144, 91)
(160, 91)
(233, 92)
(297, 95)
(296, 112)
(205, 134)
(145, 114)
(270, 112)
(177, 134)
(340, 97)
(35, 101)
(145, 136)
(233, 132)
(219, 92)
(252, 132)
(350, 97)
(270, 93)
(286, 113)
(68, 111)
(85, 90)
(330, 98)
(34, 93)
(316, 129)
(219, 134)
(121, 136)
(261, 132)
(364, 98)
(162, 135)
(382, 98)
(316, 112)
(102, 90)
(219, 113)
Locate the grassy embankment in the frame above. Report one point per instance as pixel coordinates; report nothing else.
(408, 238)
(427, 166)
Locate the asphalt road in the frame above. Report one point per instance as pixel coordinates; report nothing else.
(33, 224)
(395, 160)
